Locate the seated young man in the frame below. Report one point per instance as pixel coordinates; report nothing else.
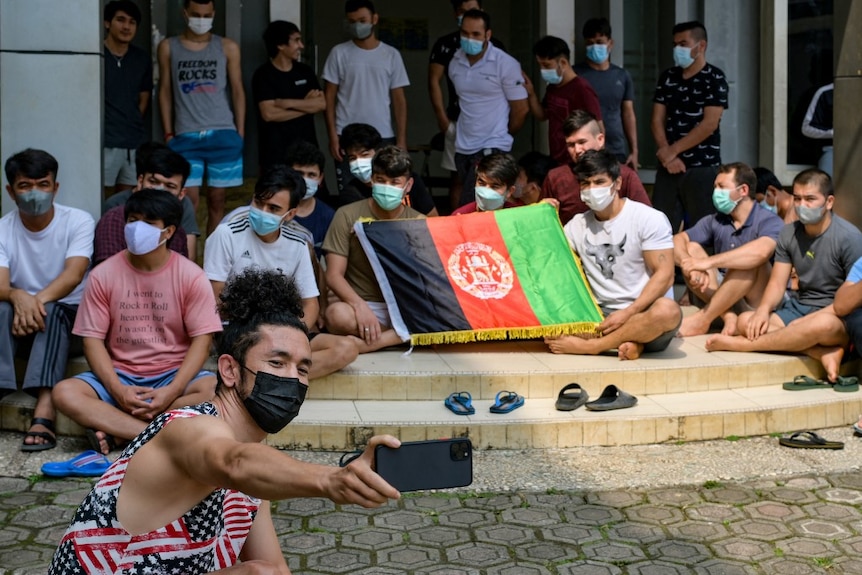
(44, 255)
(822, 247)
(159, 168)
(259, 238)
(357, 306)
(147, 318)
(626, 250)
(583, 133)
(359, 143)
(533, 170)
(742, 238)
(772, 195)
(311, 213)
(496, 177)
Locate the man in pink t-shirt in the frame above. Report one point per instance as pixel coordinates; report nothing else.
(147, 319)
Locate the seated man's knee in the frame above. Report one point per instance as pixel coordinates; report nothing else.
(340, 318)
(344, 349)
(667, 312)
(66, 393)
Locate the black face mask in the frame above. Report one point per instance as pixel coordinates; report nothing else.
(274, 400)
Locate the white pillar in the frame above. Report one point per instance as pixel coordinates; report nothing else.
(290, 10)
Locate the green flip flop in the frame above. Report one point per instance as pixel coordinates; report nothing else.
(846, 384)
(804, 382)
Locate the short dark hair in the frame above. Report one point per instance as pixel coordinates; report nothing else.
(551, 47)
(155, 204)
(127, 6)
(277, 178)
(304, 153)
(278, 33)
(742, 174)
(251, 299)
(596, 162)
(157, 158)
(499, 167)
(187, 2)
(31, 163)
(478, 15)
(536, 166)
(596, 27)
(577, 120)
(698, 30)
(817, 177)
(458, 3)
(354, 5)
(362, 136)
(766, 178)
(393, 162)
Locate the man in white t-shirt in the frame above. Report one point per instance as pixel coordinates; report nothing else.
(363, 78)
(45, 251)
(261, 237)
(626, 249)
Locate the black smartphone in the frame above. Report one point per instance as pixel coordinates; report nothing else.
(435, 464)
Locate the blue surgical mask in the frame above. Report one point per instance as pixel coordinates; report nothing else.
(472, 47)
(551, 76)
(597, 53)
(489, 199)
(682, 56)
(310, 188)
(263, 223)
(765, 205)
(360, 30)
(387, 197)
(361, 169)
(722, 202)
(36, 202)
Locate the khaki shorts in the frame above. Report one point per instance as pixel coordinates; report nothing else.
(447, 162)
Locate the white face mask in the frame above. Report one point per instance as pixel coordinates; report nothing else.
(200, 25)
(142, 238)
(597, 198)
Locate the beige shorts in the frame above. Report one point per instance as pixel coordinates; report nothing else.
(447, 162)
(379, 309)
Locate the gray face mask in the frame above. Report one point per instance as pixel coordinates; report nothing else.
(809, 216)
(360, 30)
(35, 202)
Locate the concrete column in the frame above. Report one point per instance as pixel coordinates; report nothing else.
(290, 10)
(847, 164)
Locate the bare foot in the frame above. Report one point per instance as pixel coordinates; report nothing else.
(571, 344)
(729, 319)
(695, 324)
(721, 342)
(830, 357)
(630, 350)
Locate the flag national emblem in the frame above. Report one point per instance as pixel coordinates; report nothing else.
(507, 274)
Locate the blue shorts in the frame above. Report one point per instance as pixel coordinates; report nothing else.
(153, 382)
(218, 152)
(791, 309)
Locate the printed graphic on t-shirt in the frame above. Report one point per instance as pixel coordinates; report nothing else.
(198, 76)
(142, 318)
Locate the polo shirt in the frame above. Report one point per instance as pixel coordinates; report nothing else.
(484, 91)
(717, 230)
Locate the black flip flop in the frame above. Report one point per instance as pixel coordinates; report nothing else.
(612, 398)
(570, 401)
(93, 440)
(809, 440)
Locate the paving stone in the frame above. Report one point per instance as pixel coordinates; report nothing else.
(286, 524)
(26, 556)
(807, 482)
(773, 511)
(806, 547)
(44, 516)
(733, 495)
(304, 507)
(373, 538)
(657, 514)
(760, 529)
(841, 495)
(790, 566)
(49, 536)
(852, 546)
(639, 533)
(561, 501)
(613, 552)
(547, 551)
(793, 496)
(378, 570)
(698, 531)
(679, 497)
(653, 567)
(72, 498)
(833, 512)
(518, 569)
(14, 502)
(403, 520)
(339, 560)
(12, 536)
(468, 518)
(337, 522)
(495, 503)
(820, 529)
(446, 570)
(439, 536)
(574, 534)
(53, 486)
(480, 555)
(847, 565)
(593, 515)
(715, 512)
(679, 552)
(588, 568)
(848, 480)
(13, 485)
(431, 503)
(530, 517)
(742, 549)
(306, 543)
(618, 499)
(723, 567)
(408, 557)
(506, 534)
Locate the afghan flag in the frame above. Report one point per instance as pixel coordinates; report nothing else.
(506, 274)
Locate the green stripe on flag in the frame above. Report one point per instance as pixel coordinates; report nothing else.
(545, 265)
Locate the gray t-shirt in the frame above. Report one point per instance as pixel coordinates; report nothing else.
(821, 262)
(188, 223)
(199, 83)
(613, 86)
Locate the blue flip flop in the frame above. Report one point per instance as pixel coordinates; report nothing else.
(88, 464)
(460, 403)
(507, 401)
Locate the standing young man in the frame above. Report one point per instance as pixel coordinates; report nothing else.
(287, 94)
(365, 81)
(195, 69)
(128, 83)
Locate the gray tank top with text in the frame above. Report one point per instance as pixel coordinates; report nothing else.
(199, 82)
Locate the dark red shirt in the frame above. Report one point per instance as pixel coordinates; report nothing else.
(111, 236)
(559, 102)
(562, 184)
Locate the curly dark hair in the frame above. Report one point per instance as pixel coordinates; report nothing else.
(251, 299)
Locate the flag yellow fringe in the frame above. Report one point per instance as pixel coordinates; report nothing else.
(585, 329)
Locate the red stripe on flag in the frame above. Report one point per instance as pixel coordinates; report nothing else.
(480, 273)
